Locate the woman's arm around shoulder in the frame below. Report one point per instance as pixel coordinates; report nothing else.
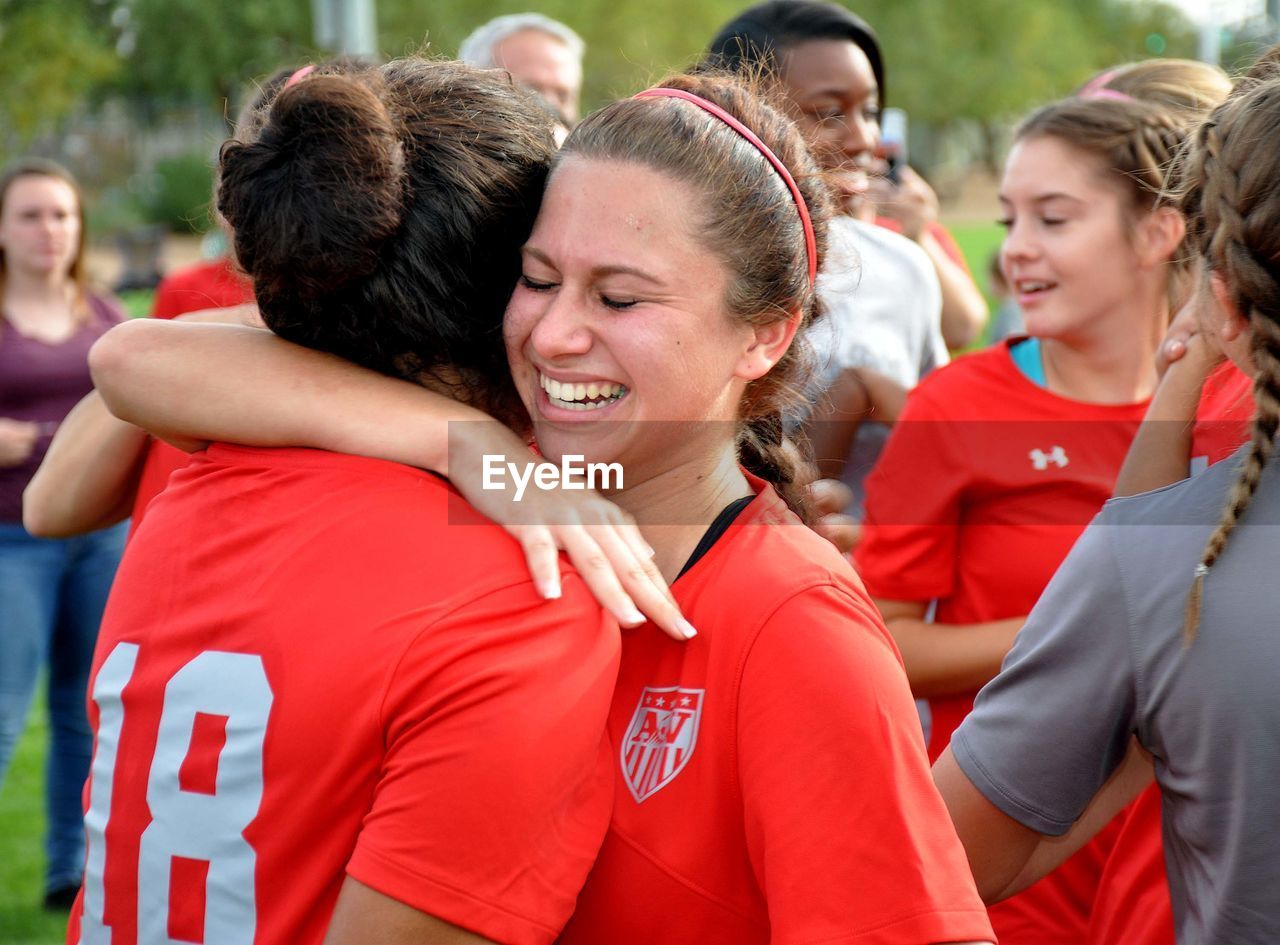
(194, 383)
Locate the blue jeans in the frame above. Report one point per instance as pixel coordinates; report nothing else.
(52, 593)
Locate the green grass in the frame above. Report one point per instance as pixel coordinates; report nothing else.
(137, 303)
(22, 920)
(978, 241)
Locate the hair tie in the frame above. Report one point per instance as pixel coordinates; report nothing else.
(1097, 88)
(810, 242)
(299, 75)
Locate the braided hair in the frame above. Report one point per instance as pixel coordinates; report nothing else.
(1232, 204)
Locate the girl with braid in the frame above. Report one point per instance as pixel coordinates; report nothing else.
(1001, 458)
(1153, 651)
(772, 785)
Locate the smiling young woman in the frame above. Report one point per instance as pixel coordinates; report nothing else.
(1002, 458)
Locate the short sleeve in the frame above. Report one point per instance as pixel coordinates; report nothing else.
(914, 504)
(496, 784)
(1048, 731)
(847, 835)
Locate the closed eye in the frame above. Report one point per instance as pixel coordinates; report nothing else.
(536, 286)
(618, 304)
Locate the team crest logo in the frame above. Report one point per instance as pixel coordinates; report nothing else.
(660, 738)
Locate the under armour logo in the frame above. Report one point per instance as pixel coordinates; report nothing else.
(1041, 460)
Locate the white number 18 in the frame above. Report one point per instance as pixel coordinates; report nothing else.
(184, 823)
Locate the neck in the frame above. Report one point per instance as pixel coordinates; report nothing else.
(675, 507)
(1114, 364)
(37, 287)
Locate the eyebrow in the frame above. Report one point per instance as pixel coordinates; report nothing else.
(1044, 198)
(618, 270)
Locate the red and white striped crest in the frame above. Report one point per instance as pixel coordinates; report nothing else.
(660, 738)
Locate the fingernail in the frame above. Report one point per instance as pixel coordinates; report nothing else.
(633, 618)
(652, 553)
(686, 628)
(550, 589)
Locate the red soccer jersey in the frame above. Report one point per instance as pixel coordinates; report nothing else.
(1223, 417)
(316, 665)
(214, 283)
(983, 487)
(774, 787)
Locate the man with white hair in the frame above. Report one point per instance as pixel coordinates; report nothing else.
(538, 51)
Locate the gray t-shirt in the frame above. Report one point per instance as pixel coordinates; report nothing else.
(1102, 658)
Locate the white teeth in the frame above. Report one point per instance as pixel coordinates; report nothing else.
(1032, 286)
(581, 396)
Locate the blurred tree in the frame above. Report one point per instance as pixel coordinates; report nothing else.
(195, 51)
(52, 53)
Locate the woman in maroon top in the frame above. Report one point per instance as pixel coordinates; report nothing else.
(52, 592)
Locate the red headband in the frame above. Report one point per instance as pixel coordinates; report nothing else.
(810, 242)
(299, 75)
(1097, 88)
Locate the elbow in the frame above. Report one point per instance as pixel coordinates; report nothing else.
(43, 514)
(121, 353)
(37, 517)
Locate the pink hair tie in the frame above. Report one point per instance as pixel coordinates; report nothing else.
(810, 242)
(1097, 88)
(299, 75)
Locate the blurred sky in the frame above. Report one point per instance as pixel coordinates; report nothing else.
(1227, 11)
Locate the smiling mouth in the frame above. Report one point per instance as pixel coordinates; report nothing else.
(575, 396)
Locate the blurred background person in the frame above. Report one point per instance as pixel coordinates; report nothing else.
(1001, 459)
(539, 52)
(879, 288)
(100, 470)
(52, 592)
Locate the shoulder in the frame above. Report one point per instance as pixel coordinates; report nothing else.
(1198, 500)
(885, 245)
(105, 308)
(952, 387)
(793, 583)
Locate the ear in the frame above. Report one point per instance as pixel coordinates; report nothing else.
(1158, 236)
(767, 345)
(1230, 323)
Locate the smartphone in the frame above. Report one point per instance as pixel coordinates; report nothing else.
(893, 140)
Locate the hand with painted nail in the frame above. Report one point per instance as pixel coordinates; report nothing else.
(602, 541)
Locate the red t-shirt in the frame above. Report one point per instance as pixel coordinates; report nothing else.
(986, 482)
(774, 787)
(215, 283)
(315, 665)
(212, 284)
(1223, 416)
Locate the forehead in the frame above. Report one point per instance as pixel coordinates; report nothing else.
(39, 189)
(1045, 164)
(533, 49)
(834, 67)
(625, 200)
